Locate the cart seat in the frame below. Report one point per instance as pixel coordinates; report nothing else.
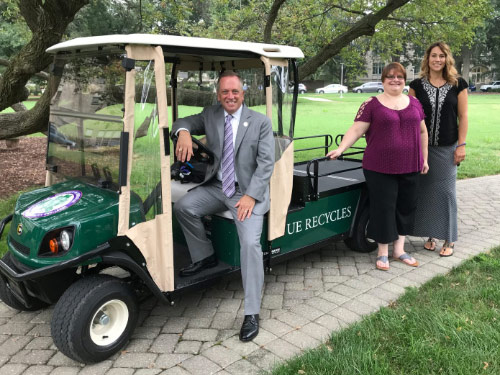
(179, 190)
(337, 176)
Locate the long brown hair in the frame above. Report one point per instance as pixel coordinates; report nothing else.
(450, 73)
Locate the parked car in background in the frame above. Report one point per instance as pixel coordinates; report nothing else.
(491, 86)
(334, 88)
(369, 87)
(406, 89)
(472, 87)
(302, 88)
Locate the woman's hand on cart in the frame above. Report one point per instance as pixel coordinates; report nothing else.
(334, 154)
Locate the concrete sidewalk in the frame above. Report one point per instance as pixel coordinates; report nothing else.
(304, 300)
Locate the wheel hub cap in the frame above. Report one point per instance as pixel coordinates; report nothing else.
(109, 322)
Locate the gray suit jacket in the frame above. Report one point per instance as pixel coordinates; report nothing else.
(253, 149)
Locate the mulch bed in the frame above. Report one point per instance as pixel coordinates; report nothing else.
(23, 166)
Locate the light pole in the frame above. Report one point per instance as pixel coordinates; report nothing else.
(341, 77)
(413, 73)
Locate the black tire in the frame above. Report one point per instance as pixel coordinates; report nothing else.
(10, 299)
(380, 90)
(321, 92)
(301, 92)
(75, 328)
(358, 91)
(359, 242)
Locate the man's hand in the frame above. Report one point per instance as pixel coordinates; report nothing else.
(245, 206)
(184, 147)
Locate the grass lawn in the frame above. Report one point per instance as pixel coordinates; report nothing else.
(483, 139)
(6, 208)
(336, 116)
(450, 325)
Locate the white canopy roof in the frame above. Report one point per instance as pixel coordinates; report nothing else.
(90, 43)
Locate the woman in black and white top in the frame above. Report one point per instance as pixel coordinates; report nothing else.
(443, 96)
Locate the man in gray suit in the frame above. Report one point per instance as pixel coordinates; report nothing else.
(238, 180)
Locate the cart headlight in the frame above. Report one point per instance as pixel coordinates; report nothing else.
(65, 240)
(56, 242)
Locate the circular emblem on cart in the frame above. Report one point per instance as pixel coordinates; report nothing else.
(53, 204)
(19, 229)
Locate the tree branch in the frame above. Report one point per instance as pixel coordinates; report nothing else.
(365, 26)
(271, 18)
(43, 75)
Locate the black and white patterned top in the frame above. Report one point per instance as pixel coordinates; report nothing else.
(441, 109)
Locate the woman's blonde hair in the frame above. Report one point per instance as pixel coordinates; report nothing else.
(450, 73)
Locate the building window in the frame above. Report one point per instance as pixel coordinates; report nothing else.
(377, 68)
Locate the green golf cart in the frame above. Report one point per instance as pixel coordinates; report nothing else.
(101, 235)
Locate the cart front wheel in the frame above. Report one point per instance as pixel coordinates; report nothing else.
(94, 318)
(359, 241)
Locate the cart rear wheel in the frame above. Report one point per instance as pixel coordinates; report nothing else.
(359, 241)
(10, 299)
(94, 318)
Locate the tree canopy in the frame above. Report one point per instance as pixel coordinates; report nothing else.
(329, 32)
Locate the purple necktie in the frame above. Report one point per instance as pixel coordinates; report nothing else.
(228, 186)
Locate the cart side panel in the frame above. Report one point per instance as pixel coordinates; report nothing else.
(222, 231)
(316, 221)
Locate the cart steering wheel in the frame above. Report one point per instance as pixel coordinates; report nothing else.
(200, 152)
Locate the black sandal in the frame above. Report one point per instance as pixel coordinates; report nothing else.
(432, 246)
(445, 248)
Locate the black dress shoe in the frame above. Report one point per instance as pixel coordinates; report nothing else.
(250, 327)
(194, 268)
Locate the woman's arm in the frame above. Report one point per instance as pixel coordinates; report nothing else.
(425, 146)
(351, 136)
(463, 125)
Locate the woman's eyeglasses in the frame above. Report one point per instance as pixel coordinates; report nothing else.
(395, 77)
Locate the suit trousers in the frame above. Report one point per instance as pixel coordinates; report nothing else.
(209, 199)
(393, 203)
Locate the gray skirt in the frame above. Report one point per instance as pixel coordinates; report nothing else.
(436, 214)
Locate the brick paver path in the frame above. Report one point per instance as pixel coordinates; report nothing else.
(304, 300)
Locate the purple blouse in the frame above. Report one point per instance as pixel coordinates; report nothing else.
(393, 138)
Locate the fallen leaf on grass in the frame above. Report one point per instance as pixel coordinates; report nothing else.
(486, 364)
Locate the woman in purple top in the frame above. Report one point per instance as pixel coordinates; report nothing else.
(396, 153)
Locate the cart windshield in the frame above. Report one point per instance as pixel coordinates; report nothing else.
(86, 119)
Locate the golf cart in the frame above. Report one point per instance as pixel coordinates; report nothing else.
(101, 234)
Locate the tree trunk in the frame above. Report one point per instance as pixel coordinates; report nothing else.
(47, 20)
(466, 55)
